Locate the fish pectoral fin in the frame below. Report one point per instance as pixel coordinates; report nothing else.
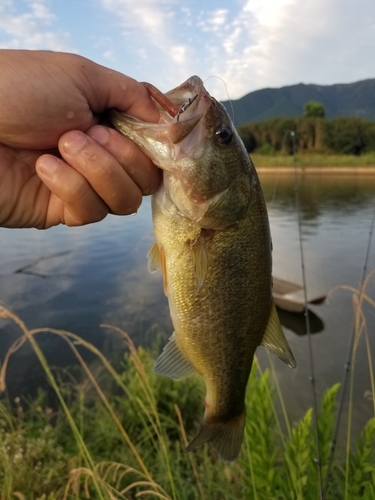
(200, 258)
(275, 341)
(153, 256)
(224, 436)
(156, 260)
(172, 362)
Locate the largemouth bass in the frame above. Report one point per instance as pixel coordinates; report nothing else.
(213, 246)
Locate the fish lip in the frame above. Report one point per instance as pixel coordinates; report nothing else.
(191, 90)
(192, 96)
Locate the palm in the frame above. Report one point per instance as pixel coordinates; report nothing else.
(26, 202)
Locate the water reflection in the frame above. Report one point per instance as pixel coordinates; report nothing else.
(336, 214)
(32, 268)
(340, 195)
(296, 322)
(101, 276)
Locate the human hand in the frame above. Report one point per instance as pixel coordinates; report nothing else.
(58, 164)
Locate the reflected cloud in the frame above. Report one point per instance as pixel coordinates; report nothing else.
(140, 306)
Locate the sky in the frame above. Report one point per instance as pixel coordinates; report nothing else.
(245, 45)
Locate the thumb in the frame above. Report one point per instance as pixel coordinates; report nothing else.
(108, 88)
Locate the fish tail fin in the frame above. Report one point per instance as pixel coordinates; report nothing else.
(224, 436)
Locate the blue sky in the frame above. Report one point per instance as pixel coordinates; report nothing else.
(249, 44)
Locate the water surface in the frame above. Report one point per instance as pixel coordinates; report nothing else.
(78, 278)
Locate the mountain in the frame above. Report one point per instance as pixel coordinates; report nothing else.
(352, 99)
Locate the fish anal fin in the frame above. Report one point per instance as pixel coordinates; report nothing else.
(274, 339)
(156, 260)
(224, 436)
(172, 362)
(200, 258)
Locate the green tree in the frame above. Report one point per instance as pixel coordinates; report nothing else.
(349, 135)
(314, 109)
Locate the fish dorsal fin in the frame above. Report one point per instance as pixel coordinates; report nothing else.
(172, 362)
(274, 339)
(200, 258)
(156, 260)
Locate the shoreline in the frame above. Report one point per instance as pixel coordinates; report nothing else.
(352, 169)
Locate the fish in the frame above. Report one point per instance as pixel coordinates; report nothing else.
(213, 246)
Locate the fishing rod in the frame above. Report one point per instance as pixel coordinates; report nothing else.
(307, 318)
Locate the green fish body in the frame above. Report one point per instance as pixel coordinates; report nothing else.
(213, 246)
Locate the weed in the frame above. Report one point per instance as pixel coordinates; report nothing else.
(129, 441)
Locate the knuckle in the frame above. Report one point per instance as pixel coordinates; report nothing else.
(152, 185)
(130, 204)
(82, 218)
(98, 165)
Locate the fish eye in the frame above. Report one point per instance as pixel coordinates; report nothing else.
(224, 134)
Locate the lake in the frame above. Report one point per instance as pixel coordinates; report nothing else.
(78, 278)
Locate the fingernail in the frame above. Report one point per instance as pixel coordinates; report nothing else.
(47, 166)
(100, 135)
(74, 142)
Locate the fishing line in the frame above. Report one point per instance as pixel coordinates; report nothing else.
(307, 320)
(347, 366)
(226, 91)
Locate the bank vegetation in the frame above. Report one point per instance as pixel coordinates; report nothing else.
(310, 136)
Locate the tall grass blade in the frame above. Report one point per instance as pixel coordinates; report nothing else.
(190, 456)
(4, 313)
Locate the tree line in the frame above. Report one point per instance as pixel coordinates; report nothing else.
(313, 133)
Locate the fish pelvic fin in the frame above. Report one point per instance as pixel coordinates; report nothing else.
(172, 362)
(274, 339)
(224, 436)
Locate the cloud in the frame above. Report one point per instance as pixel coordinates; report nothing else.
(170, 42)
(320, 41)
(282, 42)
(31, 29)
(151, 30)
(251, 45)
(214, 21)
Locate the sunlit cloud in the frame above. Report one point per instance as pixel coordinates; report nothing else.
(281, 42)
(313, 42)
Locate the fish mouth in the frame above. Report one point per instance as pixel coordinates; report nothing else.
(192, 101)
(181, 109)
(188, 99)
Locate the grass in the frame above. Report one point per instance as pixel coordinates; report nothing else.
(313, 160)
(128, 440)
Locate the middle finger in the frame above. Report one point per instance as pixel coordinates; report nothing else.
(103, 172)
(138, 166)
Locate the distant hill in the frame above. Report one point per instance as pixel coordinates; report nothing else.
(353, 99)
